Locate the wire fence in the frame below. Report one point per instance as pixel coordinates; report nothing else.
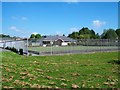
(18, 44)
(78, 46)
(37, 47)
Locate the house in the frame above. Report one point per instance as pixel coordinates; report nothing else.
(36, 42)
(5, 39)
(57, 40)
(53, 40)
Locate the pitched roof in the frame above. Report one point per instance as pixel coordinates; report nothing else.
(7, 39)
(54, 38)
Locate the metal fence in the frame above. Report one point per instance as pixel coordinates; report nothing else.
(18, 44)
(79, 46)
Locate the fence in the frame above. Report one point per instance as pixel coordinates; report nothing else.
(19, 44)
(72, 47)
(78, 46)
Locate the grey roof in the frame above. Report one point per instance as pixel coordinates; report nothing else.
(54, 38)
(40, 40)
(7, 39)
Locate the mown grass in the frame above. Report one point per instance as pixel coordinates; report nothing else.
(66, 71)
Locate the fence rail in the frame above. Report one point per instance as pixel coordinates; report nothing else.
(79, 46)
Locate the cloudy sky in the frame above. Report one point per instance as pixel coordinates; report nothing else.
(51, 18)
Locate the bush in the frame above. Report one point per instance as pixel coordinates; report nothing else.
(21, 51)
(7, 48)
(17, 51)
(10, 48)
(13, 49)
(30, 54)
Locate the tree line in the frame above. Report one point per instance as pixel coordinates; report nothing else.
(83, 33)
(86, 33)
(2, 36)
(8, 36)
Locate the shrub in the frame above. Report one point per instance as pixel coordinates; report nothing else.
(7, 48)
(21, 51)
(13, 49)
(17, 51)
(10, 48)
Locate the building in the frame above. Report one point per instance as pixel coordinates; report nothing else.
(53, 40)
(57, 40)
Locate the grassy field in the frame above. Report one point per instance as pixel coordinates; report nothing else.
(69, 48)
(98, 70)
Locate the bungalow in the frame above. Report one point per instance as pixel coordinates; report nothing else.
(57, 40)
(53, 40)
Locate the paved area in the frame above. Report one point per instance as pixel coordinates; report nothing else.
(0, 50)
(35, 53)
(4, 50)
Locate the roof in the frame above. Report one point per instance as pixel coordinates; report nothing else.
(54, 38)
(6, 39)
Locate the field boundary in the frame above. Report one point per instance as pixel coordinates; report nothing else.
(70, 52)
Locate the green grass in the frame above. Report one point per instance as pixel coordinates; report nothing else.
(98, 70)
(70, 48)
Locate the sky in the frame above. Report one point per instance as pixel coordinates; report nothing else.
(51, 18)
(60, 0)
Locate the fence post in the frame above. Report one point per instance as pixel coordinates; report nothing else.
(51, 45)
(100, 44)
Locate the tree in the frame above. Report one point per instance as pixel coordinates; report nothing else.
(84, 36)
(97, 36)
(86, 33)
(103, 34)
(74, 35)
(93, 36)
(32, 36)
(63, 34)
(92, 32)
(118, 32)
(3, 35)
(37, 36)
(110, 34)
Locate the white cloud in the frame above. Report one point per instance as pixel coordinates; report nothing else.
(35, 33)
(19, 18)
(24, 18)
(14, 28)
(21, 31)
(98, 23)
(73, 29)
